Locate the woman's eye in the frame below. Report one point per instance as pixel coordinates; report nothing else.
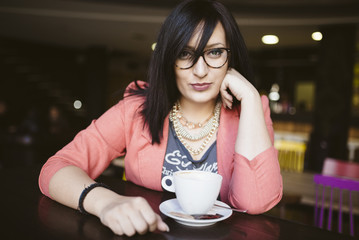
(185, 55)
(213, 53)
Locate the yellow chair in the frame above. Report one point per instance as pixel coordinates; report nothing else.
(290, 155)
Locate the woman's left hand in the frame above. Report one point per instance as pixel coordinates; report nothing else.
(238, 85)
(252, 119)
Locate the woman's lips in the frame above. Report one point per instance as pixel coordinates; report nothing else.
(200, 86)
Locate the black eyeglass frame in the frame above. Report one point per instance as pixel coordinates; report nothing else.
(202, 55)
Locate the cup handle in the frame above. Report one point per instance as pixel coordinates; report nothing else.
(166, 186)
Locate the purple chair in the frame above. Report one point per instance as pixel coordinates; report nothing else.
(343, 176)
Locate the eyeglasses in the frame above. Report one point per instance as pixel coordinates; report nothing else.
(214, 58)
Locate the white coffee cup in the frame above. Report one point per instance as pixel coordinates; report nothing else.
(196, 191)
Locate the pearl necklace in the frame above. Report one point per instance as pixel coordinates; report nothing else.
(188, 124)
(207, 132)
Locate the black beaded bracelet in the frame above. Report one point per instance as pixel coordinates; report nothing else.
(85, 192)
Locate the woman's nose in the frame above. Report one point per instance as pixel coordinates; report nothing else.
(200, 68)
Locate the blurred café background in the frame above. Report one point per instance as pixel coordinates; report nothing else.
(64, 62)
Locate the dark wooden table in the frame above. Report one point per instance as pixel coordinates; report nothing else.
(27, 214)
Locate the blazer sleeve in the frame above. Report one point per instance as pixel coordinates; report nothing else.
(92, 149)
(256, 185)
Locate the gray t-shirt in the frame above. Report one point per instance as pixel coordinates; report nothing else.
(178, 158)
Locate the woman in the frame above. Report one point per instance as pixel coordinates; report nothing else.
(198, 109)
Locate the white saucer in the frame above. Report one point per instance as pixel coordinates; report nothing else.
(172, 205)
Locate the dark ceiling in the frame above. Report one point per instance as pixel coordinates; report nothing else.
(131, 25)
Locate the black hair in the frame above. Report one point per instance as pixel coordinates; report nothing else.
(162, 92)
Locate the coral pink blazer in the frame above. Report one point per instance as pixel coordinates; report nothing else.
(254, 185)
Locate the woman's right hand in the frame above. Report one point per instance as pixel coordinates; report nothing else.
(130, 215)
(123, 215)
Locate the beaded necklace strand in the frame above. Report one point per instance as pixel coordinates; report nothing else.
(206, 132)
